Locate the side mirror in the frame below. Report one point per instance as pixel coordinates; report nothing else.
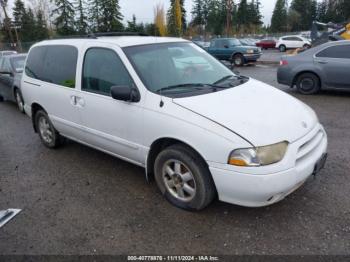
(125, 93)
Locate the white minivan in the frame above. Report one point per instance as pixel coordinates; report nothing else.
(167, 105)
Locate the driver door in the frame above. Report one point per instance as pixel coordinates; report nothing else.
(110, 125)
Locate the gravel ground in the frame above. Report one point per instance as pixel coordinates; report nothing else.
(77, 200)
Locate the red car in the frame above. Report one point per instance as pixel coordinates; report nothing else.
(266, 44)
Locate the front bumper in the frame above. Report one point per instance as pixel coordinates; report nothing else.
(256, 189)
(251, 57)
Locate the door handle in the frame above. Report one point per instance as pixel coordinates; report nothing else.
(323, 62)
(77, 101)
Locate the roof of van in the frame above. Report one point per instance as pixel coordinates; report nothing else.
(122, 41)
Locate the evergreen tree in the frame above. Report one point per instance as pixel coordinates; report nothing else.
(94, 18)
(111, 17)
(198, 12)
(28, 26)
(279, 17)
(64, 22)
(41, 31)
(307, 12)
(175, 16)
(81, 24)
(133, 26)
(18, 13)
(242, 15)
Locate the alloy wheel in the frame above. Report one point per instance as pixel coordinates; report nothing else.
(179, 180)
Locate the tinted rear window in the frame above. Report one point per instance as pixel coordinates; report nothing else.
(54, 64)
(340, 51)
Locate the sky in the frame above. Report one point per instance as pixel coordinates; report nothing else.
(143, 9)
(144, 12)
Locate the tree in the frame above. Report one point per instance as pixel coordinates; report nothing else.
(41, 31)
(133, 26)
(29, 26)
(18, 12)
(242, 15)
(175, 18)
(159, 19)
(81, 23)
(111, 17)
(307, 13)
(198, 12)
(94, 18)
(279, 17)
(64, 22)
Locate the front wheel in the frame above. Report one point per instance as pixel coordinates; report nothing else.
(308, 84)
(19, 100)
(47, 133)
(238, 60)
(184, 178)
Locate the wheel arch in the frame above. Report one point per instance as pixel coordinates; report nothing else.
(159, 145)
(35, 108)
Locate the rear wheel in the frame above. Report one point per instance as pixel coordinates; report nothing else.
(184, 178)
(282, 48)
(47, 133)
(308, 84)
(19, 100)
(238, 60)
(306, 46)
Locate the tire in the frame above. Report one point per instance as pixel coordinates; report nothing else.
(282, 48)
(19, 100)
(306, 46)
(308, 84)
(184, 178)
(238, 60)
(47, 133)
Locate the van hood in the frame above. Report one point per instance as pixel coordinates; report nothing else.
(260, 113)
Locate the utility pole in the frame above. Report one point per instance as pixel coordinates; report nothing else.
(229, 8)
(7, 22)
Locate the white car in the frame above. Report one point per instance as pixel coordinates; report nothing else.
(292, 42)
(168, 106)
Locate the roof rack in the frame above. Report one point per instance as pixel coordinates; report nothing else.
(117, 34)
(102, 34)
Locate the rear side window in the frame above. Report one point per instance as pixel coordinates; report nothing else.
(102, 70)
(54, 64)
(340, 51)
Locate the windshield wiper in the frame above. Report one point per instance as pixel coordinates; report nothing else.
(196, 86)
(240, 78)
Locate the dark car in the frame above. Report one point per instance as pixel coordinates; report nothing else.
(232, 50)
(323, 67)
(11, 68)
(266, 44)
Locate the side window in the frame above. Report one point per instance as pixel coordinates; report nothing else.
(53, 64)
(60, 65)
(6, 65)
(34, 65)
(213, 43)
(102, 70)
(340, 51)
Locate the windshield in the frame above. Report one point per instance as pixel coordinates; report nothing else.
(181, 66)
(18, 63)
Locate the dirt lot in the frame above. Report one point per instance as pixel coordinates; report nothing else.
(80, 201)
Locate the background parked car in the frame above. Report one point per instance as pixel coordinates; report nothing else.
(7, 52)
(266, 43)
(322, 67)
(231, 49)
(292, 42)
(11, 69)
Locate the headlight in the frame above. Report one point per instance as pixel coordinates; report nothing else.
(259, 156)
(250, 51)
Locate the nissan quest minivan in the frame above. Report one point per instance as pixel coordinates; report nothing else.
(166, 105)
